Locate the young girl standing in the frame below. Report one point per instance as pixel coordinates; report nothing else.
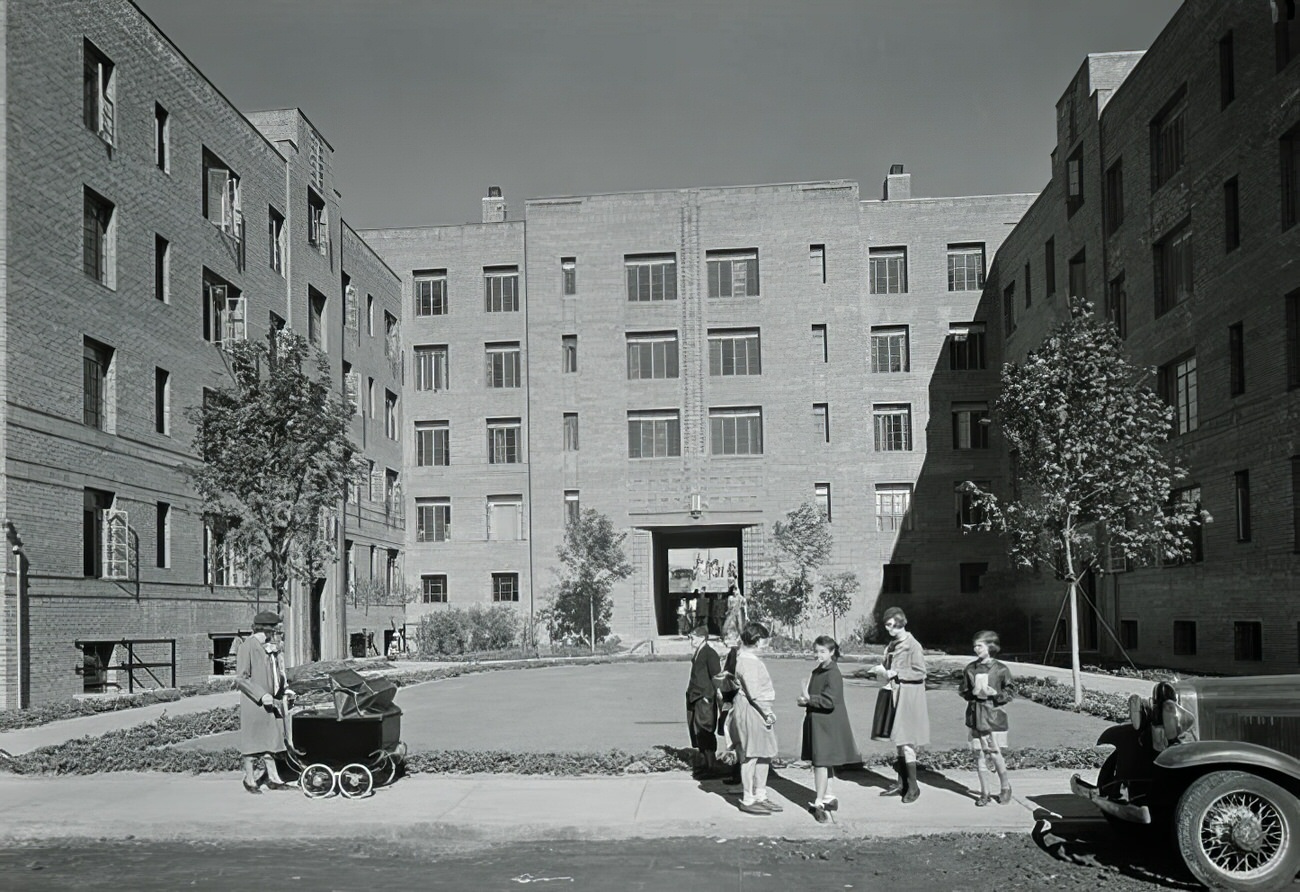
(827, 736)
(984, 686)
(751, 721)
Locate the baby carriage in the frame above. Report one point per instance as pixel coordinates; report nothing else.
(353, 744)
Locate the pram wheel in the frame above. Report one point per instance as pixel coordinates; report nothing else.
(355, 780)
(317, 781)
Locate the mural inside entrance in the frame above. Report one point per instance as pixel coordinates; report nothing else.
(706, 569)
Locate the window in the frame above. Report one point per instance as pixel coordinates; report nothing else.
(971, 577)
(275, 239)
(569, 353)
(99, 239)
(1248, 641)
(432, 444)
(433, 589)
(966, 347)
(568, 276)
(734, 352)
(1117, 305)
(651, 277)
(505, 587)
(893, 427)
(98, 403)
(99, 92)
(316, 318)
(221, 198)
(1177, 382)
(1009, 310)
(1184, 638)
(654, 434)
(1049, 265)
(430, 367)
(817, 263)
(819, 343)
(1241, 488)
(391, 419)
(1231, 216)
(822, 496)
(505, 446)
(887, 268)
(222, 566)
(370, 316)
(318, 224)
(736, 431)
(896, 579)
(572, 507)
(430, 287)
(732, 273)
(432, 520)
(1114, 196)
(502, 362)
(1074, 181)
(1293, 339)
(570, 431)
(969, 515)
(966, 267)
(1173, 269)
(1236, 360)
(970, 427)
(821, 422)
(1286, 33)
(1290, 161)
(501, 289)
(652, 355)
(893, 507)
(162, 269)
(1227, 71)
(224, 317)
(1029, 295)
(1295, 503)
(1191, 497)
(1078, 273)
(372, 482)
(162, 137)
(316, 158)
(1128, 634)
(96, 504)
(889, 348)
(505, 518)
(163, 535)
(1168, 140)
(162, 401)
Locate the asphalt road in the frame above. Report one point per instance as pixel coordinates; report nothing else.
(1073, 861)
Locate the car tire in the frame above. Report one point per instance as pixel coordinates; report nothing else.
(1237, 831)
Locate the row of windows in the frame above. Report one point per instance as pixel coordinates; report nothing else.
(653, 277)
(1247, 638)
(433, 588)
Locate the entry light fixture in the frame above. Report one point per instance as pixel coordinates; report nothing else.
(697, 507)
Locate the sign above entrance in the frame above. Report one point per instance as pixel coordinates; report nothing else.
(706, 569)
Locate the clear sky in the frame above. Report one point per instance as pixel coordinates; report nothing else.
(427, 102)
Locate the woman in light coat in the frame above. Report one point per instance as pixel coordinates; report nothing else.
(904, 671)
(259, 676)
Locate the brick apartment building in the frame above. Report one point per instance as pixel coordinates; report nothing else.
(694, 364)
(146, 223)
(1172, 207)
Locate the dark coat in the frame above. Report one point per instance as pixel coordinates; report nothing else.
(704, 665)
(827, 735)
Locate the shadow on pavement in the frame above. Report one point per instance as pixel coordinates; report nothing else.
(797, 794)
(864, 777)
(932, 778)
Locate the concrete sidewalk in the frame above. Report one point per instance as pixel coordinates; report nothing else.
(478, 809)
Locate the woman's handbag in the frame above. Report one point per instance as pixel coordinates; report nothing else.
(882, 722)
(983, 717)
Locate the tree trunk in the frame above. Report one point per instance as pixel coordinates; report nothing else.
(591, 603)
(1073, 583)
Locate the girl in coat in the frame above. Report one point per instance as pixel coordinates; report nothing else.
(904, 672)
(827, 736)
(984, 686)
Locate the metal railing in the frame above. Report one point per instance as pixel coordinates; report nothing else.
(131, 664)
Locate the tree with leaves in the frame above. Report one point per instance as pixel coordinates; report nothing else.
(591, 561)
(370, 592)
(1091, 481)
(274, 459)
(803, 543)
(835, 597)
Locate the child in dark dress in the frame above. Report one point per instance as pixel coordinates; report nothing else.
(984, 687)
(827, 735)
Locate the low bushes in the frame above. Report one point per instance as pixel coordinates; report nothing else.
(1050, 692)
(14, 719)
(458, 630)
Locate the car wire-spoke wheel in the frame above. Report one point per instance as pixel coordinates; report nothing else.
(1237, 831)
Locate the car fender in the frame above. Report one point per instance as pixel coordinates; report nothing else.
(1117, 735)
(1227, 753)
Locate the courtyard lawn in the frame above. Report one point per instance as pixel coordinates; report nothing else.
(638, 706)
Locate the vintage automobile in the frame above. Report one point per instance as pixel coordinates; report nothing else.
(1215, 762)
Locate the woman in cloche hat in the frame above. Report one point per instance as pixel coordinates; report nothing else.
(259, 675)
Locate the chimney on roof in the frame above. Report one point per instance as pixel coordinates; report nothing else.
(494, 206)
(898, 185)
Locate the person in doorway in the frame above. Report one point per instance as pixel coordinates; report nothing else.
(752, 720)
(984, 686)
(702, 700)
(736, 613)
(717, 612)
(683, 625)
(827, 735)
(904, 671)
(259, 676)
(692, 609)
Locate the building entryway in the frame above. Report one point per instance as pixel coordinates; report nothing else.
(313, 624)
(707, 559)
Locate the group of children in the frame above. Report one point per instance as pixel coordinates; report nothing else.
(730, 707)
